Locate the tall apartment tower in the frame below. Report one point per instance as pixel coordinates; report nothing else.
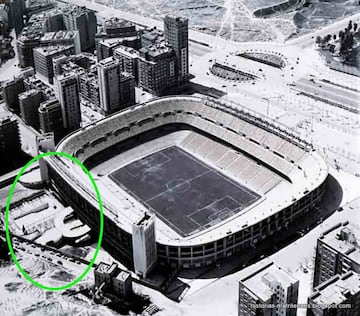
(67, 88)
(44, 143)
(264, 286)
(4, 250)
(117, 89)
(89, 88)
(10, 144)
(144, 244)
(157, 69)
(337, 252)
(54, 22)
(176, 33)
(128, 58)
(29, 105)
(83, 20)
(50, 117)
(11, 90)
(17, 9)
(43, 59)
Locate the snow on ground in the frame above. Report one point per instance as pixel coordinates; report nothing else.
(272, 80)
(198, 300)
(350, 185)
(18, 296)
(302, 251)
(333, 131)
(326, 126)
(246, 27)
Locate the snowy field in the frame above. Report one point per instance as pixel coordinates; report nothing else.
(19, 297)
(234, 19)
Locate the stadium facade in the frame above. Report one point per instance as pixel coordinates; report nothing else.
(271, 178)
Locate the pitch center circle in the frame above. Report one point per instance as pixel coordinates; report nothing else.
(178, 185)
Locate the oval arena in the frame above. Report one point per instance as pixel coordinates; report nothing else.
(217, 177)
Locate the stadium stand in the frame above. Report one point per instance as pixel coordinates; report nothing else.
(255, 153)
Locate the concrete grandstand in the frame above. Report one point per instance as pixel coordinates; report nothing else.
(218, 177)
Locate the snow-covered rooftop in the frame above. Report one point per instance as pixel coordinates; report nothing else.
(337, 290)
(345, 239)
(260, 279)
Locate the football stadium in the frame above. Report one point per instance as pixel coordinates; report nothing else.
(216, 177)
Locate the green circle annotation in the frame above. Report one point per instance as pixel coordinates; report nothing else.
(101, 230)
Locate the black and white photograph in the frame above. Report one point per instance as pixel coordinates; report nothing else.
(180, 158)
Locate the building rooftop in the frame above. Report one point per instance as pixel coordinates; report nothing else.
(51, 50)
(113, 270)
(48, 105)
(10, 82)
(337, 289)
(89, 76)
(66, 75)
(31, 92)
(59, 35)
(177, 18)
(345, 239)
(157, 50)
(127, 51)
(111, 42)
(6, 120)
(259, 278)
(107, 268)
(115, 22)
(29, 35)
(76, 10)
(37, 84)
(145, 219)
(35, 28)
(123, 276)
(153, 34)
(108, 62)
(69, 66)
